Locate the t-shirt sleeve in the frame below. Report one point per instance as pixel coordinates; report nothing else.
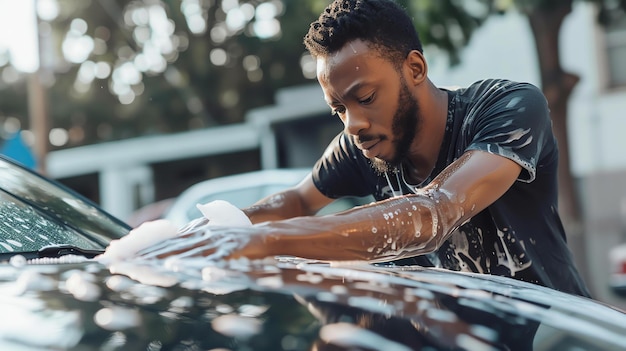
(338, 172)
(512, 121)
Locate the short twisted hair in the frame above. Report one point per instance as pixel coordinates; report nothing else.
(383, 24)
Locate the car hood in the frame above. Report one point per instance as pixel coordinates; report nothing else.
(288, 304)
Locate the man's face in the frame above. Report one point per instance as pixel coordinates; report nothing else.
(404, 128)
(373, 101)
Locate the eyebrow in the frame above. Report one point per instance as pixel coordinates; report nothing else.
(350, 91)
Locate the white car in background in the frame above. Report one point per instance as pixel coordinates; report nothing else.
(243, 190)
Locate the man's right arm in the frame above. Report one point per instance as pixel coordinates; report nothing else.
(303, 199)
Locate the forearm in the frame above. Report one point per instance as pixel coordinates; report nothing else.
(276, 207)
(391, 229)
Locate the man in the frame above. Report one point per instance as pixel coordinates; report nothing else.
(464, 180)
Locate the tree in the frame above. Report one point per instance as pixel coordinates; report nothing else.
(126, 68)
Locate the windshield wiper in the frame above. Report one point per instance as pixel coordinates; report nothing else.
(62, 250)
(53, 251)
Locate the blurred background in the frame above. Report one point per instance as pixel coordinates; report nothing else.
(131, 102)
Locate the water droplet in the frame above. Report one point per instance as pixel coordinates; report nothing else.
(17, 261)
(81, 286)
(117, 318)
(236, 326)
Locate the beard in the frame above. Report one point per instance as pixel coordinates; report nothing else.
(404, 126)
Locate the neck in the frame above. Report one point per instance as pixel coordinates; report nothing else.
(427, 145)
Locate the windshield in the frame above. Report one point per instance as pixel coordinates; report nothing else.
(34, 208)
(22, 228)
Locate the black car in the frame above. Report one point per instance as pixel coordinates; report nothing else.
(54, 296)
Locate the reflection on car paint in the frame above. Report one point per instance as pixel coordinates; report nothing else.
(241, 303)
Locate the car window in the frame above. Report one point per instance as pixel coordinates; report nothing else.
(23, 228)
(56, 201)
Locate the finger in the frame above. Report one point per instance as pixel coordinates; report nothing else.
(187, 245)
(163, 247)
(194, 225)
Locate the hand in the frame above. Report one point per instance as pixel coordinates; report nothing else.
(214, 236)
(215, 213)
(202, 238)
(148, 233)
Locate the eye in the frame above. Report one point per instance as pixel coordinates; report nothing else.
(337, 111)
(367, 99)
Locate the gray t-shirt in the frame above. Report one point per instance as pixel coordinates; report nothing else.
(520, 235)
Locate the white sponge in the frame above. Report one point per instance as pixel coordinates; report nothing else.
(223, 213)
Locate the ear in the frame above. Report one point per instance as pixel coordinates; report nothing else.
(416, 67)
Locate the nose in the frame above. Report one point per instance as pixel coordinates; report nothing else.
(354, 123)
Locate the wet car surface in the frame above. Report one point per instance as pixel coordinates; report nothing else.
(55, 296)
(289, 305)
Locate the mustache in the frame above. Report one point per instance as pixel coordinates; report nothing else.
(360, 139)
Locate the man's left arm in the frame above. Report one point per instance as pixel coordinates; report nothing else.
(404, 226)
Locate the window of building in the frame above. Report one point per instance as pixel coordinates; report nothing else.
(616, 52)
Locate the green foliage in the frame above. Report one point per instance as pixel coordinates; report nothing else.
(449, 24)
(191, 93)
(194, 92)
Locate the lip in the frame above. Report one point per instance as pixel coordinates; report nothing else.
(368, 148)
(367, 145)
